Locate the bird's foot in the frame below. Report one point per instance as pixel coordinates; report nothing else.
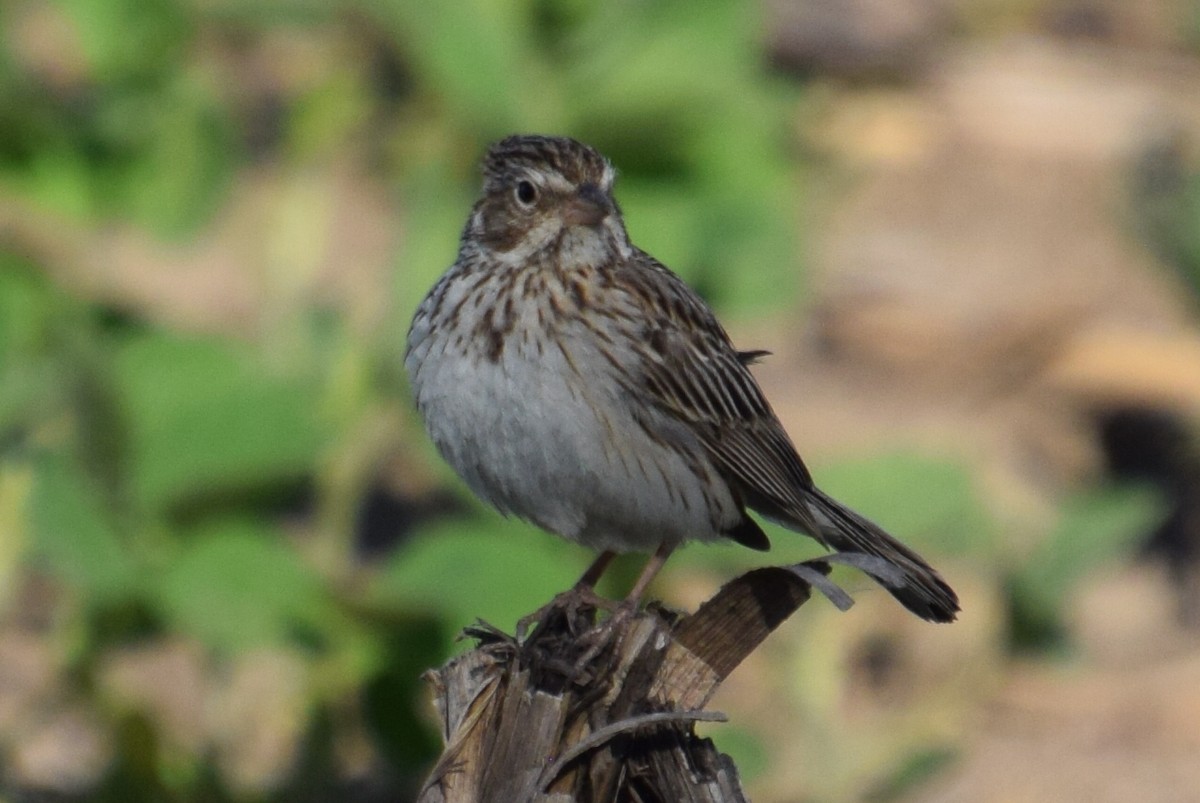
(575, 609)
(601, 635)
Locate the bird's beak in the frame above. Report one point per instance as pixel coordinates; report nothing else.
(589, 207)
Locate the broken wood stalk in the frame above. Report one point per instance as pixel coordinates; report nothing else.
(580, 711)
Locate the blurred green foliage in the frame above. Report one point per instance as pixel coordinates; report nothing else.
(174, 484)
(203, 484)
(1165, 195)
(1094, 528)
(933, 502)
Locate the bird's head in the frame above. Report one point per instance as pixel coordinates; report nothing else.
(548, 196)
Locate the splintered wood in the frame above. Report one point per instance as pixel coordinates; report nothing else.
(586, 712)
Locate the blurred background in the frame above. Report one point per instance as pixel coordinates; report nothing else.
(968, 230)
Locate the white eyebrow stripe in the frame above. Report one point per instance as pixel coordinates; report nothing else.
(556, 182)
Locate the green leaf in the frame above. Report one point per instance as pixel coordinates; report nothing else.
(440, 213)
(183, 158)
(706, 185)
(26, 306)
(744, 745)
(30, 379)
(479, 56)
(236, 587)
(1095, 527)
(487, 568)
(205, 417)
(76, 534)
(330, 112)
(58, 178)
(122, 39)
(926, 503)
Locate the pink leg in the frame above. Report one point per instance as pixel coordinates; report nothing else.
(605, 632)
(652, 568)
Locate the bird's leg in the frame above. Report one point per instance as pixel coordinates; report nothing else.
(629, 605)
(620, 615)
(583, 593)
(593, 573)
(653, 566)
(573, 602)
(582, 596)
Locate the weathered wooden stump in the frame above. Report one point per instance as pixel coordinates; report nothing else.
(582, 712)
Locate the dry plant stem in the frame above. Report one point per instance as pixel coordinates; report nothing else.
(521, 724)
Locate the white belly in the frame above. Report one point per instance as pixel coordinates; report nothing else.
(537, 440)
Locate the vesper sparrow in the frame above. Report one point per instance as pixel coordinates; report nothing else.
(573, 380)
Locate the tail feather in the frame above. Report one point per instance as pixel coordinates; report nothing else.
(923, 591)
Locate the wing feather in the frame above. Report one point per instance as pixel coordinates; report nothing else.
(690, 368)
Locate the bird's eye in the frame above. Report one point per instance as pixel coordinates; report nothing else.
(526, 192)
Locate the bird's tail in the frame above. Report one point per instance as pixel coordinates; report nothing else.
(921, 589)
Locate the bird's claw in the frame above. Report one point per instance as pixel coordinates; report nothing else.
(577, 606)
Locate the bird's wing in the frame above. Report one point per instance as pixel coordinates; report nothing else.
(689, 369)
